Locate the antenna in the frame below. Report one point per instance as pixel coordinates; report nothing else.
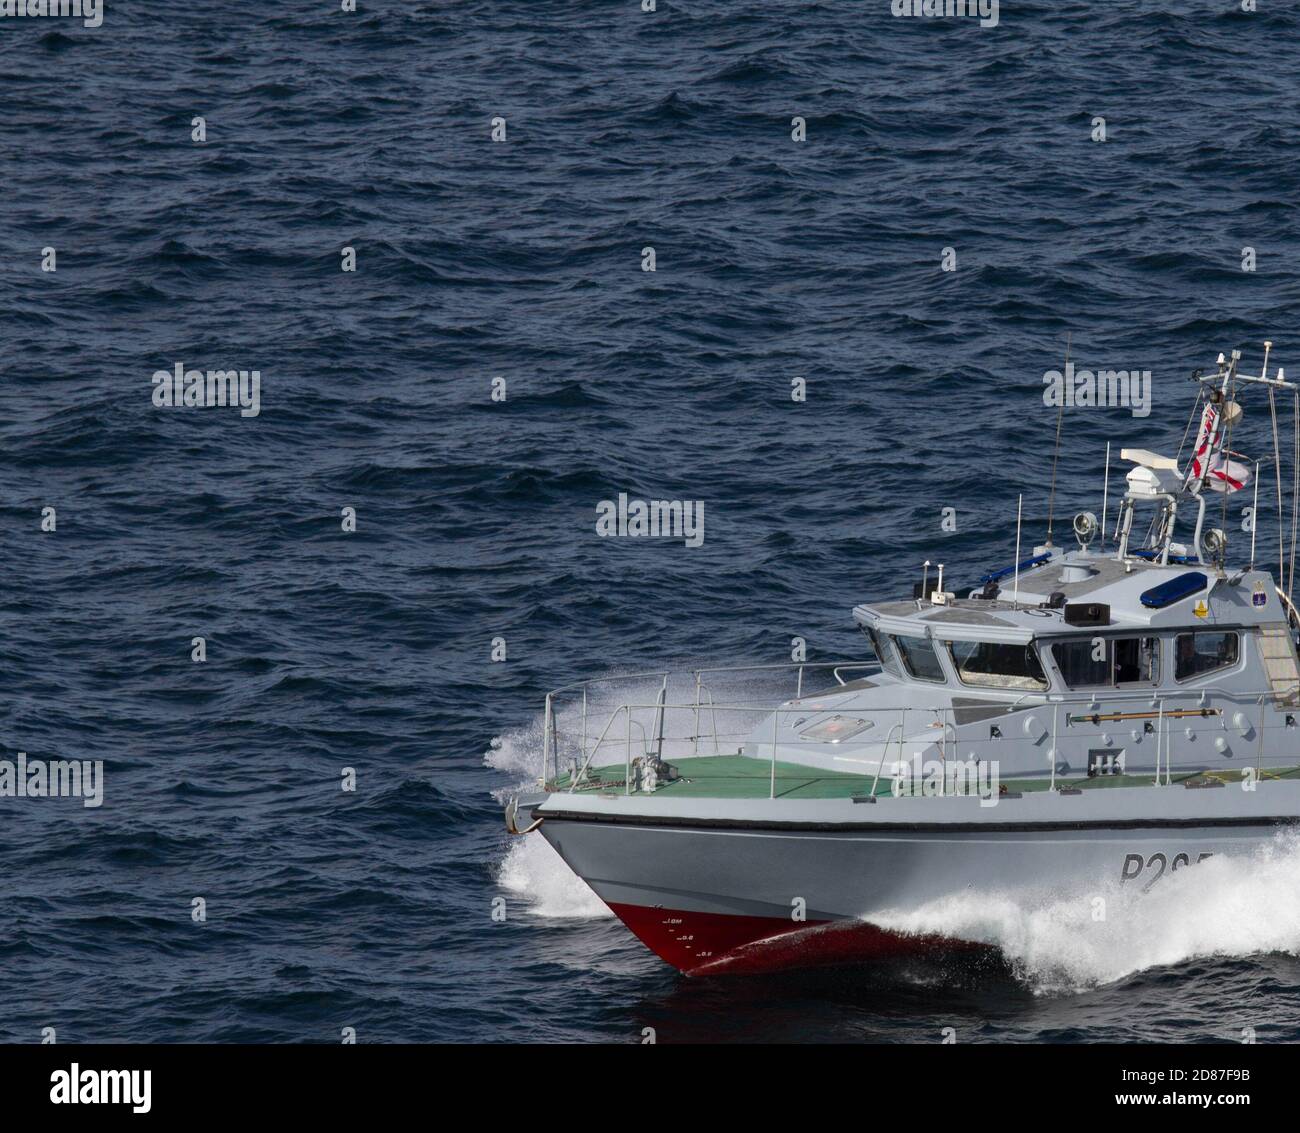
(1015, 595)
(1277, 469)
(1254, 517)
(1105, 490)
(1056, 452)
(1295, 489)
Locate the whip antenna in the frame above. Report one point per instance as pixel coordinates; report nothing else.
(1056, 452)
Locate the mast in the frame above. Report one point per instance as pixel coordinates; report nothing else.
(1227, 379)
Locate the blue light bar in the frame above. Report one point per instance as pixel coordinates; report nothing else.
(1175, 590)
(1037, 560)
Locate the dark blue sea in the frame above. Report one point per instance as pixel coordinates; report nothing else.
(775, 259)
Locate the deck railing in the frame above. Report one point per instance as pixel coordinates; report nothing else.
(1239, 716)
(704, 706)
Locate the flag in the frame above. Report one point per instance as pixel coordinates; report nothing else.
(1209, 460)
(1227, 475)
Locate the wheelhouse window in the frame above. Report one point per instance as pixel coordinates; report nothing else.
(1196, 654)
(1083, 663)
(1137, 660)
(987, 664)
(885, 652)
(1089, 662)
(920, 659)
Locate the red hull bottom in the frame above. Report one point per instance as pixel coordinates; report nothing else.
(706, 944)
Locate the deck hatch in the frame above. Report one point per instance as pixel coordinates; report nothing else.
(1175, 590)
(835, 730)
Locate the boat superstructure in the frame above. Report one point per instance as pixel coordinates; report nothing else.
(1098, 714)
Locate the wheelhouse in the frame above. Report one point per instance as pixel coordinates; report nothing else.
(1092, 662)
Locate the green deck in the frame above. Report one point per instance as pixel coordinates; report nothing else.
(738, 777)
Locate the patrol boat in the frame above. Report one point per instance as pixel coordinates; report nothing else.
(1087, 718)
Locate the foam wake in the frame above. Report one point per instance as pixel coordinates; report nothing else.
(533, 870)
(1224, 907)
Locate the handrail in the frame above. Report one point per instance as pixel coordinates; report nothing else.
(884, 753)
(612, 677)
(776, 718)
(754, 706)
(1160, 712)
(695, 737)
(798, 666)
(548, 721)
(627, 770)
(705, 702)
(949, 737)
(783, 665)
(835, 672)
(550, 736)
(577, 778)
(713, 711)
(943, 743)
(659, 718)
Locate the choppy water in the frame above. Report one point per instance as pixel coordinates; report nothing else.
(475, 519)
